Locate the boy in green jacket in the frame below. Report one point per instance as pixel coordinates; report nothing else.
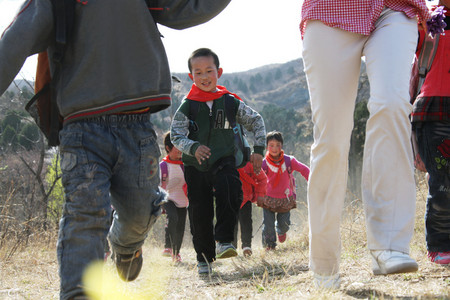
(208, 156)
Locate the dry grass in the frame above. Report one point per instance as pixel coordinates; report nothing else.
(282, 274)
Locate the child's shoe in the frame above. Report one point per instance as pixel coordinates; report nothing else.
(176, 258)
(247, 251)
(282, 237)
(442, 258)
(129, 265)
(225, 250)
(270, 248)
(204, 268)
(167, 252)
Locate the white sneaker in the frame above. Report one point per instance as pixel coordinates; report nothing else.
(327, 282)
(390, 262)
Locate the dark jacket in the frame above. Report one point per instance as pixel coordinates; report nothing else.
(115, 60)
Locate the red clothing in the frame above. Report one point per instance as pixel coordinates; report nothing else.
(283, 188)
(358, 16)
(437, 82)
(253, 186)
(433, 102)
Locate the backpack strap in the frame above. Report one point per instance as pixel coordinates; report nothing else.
(194, 108)
(287, 161)
(425, 59)
(230, 113)
(64, 16)
(264, 165)
(164, 173)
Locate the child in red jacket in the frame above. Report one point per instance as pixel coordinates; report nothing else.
(253, 187)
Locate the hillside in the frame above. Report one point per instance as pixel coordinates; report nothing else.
(281, 84)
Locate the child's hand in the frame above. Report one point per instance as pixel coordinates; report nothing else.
(256, 160)
(260, 201)
(202, 153)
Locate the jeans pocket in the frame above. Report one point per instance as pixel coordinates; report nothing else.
(149, 167)
(70, 143)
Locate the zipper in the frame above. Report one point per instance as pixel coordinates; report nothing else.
(210, 125)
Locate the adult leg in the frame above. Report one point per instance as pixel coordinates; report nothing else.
(332, 66)
(388, 186)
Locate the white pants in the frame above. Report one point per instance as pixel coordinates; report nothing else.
(332, 59)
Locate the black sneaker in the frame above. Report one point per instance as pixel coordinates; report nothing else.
(129, 265)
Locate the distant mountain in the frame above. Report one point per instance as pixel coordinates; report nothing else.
(280, 84)
(283, 85)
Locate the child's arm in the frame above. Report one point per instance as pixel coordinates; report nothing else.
(253, 122)
(180, 14)
(299, 167)
(261, 184)
(179, 131)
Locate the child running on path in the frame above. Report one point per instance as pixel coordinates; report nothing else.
(254, 186)
(172, 180)
(280, 186)
(208, 156)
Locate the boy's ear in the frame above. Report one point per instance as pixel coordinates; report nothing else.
(167, 149)
(191, 77)
(219, 72)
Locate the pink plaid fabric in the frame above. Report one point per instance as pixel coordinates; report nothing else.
(358, 16)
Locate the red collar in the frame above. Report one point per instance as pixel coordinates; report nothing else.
(177, 162)
(197, 94)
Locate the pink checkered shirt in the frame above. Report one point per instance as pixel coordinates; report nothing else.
(358, 16)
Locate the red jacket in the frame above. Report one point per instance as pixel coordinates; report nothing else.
(433, 102)
(437, 82)
(253, 186)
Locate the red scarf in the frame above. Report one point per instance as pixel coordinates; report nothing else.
(197, 94)
(277, 164)
(167, 159)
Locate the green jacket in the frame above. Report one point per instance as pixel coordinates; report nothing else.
(213, 130)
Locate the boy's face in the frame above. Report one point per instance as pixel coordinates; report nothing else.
(205, 73)
(274, 147)
(174, 154)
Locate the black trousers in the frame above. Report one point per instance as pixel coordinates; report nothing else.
(223, 185)
(246, 226)
(176, 223)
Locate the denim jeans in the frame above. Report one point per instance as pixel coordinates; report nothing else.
(106, 160)
(434, 149)
(274, 221)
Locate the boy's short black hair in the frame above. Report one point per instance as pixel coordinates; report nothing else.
(203, 52)
(167, 142)
(274, 135)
